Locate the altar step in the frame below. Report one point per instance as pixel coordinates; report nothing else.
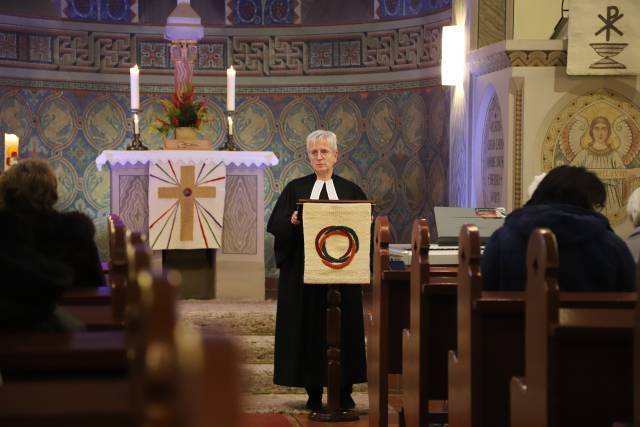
(256, 348)
(259, 380)
(252, 323)
(239, 318)
(295, 404)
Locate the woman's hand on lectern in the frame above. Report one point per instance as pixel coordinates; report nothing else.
(294, 218)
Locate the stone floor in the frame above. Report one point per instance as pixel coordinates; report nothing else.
(253, 323)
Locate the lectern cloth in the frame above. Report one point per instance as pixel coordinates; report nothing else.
(300, 347)
(186, 205)
(336, 243)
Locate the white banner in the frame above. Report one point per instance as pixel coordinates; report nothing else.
(186, 205)
(337, 239)
(604, 37)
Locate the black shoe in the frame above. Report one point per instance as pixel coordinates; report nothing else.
(347, 402)
(314, 402)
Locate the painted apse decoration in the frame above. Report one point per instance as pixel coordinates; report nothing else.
(113, 11)
(392, 9)
(600, 131)
(386, 144)
(262, 12)
(493, 153)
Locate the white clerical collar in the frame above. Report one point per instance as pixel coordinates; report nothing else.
(317, 188)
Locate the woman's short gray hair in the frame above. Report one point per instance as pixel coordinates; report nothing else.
(323, 135)
(633, 207)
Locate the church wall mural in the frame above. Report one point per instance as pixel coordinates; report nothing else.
(241, 13)
(393, 142)
(600, 131)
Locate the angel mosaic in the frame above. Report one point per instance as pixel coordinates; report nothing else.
(604, 137)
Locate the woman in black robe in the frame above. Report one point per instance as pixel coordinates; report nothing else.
(300, 347)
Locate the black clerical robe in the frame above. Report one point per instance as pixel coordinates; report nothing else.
(300, 347)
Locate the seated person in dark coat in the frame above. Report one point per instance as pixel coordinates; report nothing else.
(592, 257)
(42, 251)
(300, 347)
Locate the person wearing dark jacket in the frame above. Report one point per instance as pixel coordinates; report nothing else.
(591, 256)
(42, 252)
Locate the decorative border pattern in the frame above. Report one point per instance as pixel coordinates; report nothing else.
(538, 58)
(518, 58)
(209, 90)
(115, 11)
(394, 9)
(262, 12)
(517, 85)
(416, 47)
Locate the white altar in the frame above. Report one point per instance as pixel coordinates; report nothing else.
(239, 265)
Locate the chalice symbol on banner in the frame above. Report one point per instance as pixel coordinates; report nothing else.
(608, 50)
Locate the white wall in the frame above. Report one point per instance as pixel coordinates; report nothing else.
(535, 19)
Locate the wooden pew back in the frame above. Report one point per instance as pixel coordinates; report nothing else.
(377, 327)
(117, 266)
(431, 333)
(578, 360)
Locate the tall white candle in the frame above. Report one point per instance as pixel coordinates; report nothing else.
(231, 89)
(134, 73)
(230, 120)
(136, 124)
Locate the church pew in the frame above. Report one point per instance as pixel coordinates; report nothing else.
(101, 402)
(578, 361)
(117, 266)
(80, 353)
(186, 379)
(100, 295)
(25, 356)
(490, 344)
(491, 340)
(431, 334)
(103, 308)
(388, 316)
(636, 354)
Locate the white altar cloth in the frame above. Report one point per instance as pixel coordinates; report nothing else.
(235, 158)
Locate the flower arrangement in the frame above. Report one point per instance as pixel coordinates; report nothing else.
(182, 111)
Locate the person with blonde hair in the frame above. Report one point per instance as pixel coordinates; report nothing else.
(42, 251)
(300, 344)
(633, 210)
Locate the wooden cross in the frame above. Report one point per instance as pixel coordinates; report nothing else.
(186, 193)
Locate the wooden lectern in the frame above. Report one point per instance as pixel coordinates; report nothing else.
(337, 235)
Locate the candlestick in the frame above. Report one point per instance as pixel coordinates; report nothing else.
(136, 123)
(231, 89)
(229, 144)
(134, 73)
(136, 142)
(11, 143)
